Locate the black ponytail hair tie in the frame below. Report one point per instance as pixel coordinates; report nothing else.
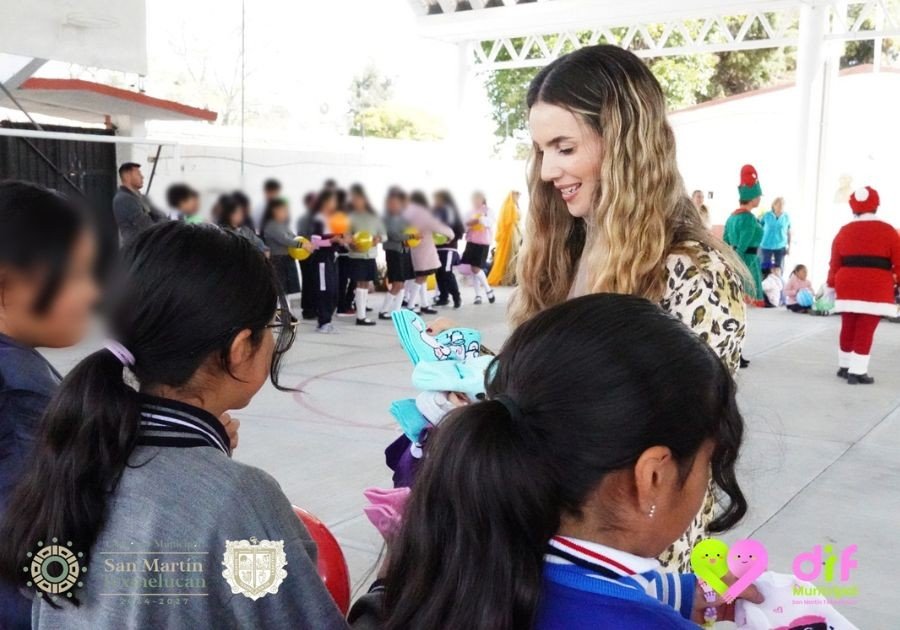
(511, 407)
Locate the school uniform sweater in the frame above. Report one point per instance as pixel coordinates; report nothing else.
(574, 600)
(27, 383)
(394, 225)
(366, 222)
(449, 216)
(278, 237)
(588, 586)
(425, 256)
(183, 493)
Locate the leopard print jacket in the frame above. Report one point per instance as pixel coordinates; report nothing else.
(706, 294)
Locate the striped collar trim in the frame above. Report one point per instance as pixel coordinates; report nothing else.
(166, 422)
(604, 560)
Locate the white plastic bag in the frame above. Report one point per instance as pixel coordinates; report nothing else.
(783, 609)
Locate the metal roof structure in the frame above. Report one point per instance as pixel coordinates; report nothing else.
(494, 35)
(529, 33)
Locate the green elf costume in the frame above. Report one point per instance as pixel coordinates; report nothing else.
(744, 232)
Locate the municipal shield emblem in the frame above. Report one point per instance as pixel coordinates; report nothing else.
(254, 567)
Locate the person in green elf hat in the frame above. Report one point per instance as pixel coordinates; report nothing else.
(744, 233)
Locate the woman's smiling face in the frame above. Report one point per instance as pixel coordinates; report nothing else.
(570, 155)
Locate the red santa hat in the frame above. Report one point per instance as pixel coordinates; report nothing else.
(864, 200)
(749, 188)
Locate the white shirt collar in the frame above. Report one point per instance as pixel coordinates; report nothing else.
(638, 564)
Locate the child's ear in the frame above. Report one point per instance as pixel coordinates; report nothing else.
(241, 349)
(655, 472)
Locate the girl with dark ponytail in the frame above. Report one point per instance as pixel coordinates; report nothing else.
(132, 467)
(545, 505)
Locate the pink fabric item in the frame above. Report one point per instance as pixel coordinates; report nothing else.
(480, 237)
(318, 241)
(425, 256)
(385, 509)
(802, 622)
(793, 285)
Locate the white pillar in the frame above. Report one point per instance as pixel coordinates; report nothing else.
(812, 216)
(465, 76)
(456, 159)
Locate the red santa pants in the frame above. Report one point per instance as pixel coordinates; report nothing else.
(857, 332)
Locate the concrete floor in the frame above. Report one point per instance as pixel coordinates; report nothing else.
(819, 465)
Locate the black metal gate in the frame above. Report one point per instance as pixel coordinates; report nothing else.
(89, 165)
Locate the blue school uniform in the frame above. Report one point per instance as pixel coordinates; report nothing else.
(588, 586)
(27, 382)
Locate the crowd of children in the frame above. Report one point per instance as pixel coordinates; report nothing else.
(344, 239)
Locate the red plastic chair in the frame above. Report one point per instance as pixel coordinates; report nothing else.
(331, 565)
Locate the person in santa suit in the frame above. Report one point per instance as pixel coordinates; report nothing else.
(744, 233)
(865, 265)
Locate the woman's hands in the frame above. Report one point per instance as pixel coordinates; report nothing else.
(439, 325)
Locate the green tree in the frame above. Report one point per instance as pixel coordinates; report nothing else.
(393, 121)
(863, 51)
(368, 89)
(506, 90)
(684, 80)
(739, 71)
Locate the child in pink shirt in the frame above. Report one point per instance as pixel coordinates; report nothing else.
(424, 255)
(479, 237)
(795, 283)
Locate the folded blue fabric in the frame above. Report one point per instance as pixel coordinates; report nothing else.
(409, 418)
(452, 376)
(464, 343)
(455, 344)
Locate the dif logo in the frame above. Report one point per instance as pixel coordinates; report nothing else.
(823, 562)
(747, 559)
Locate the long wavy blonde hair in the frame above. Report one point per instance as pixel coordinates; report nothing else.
(641, 209)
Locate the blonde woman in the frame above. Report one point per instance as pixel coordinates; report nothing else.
(609, 212)
(776, 240)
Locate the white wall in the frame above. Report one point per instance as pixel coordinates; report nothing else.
(861, 140)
